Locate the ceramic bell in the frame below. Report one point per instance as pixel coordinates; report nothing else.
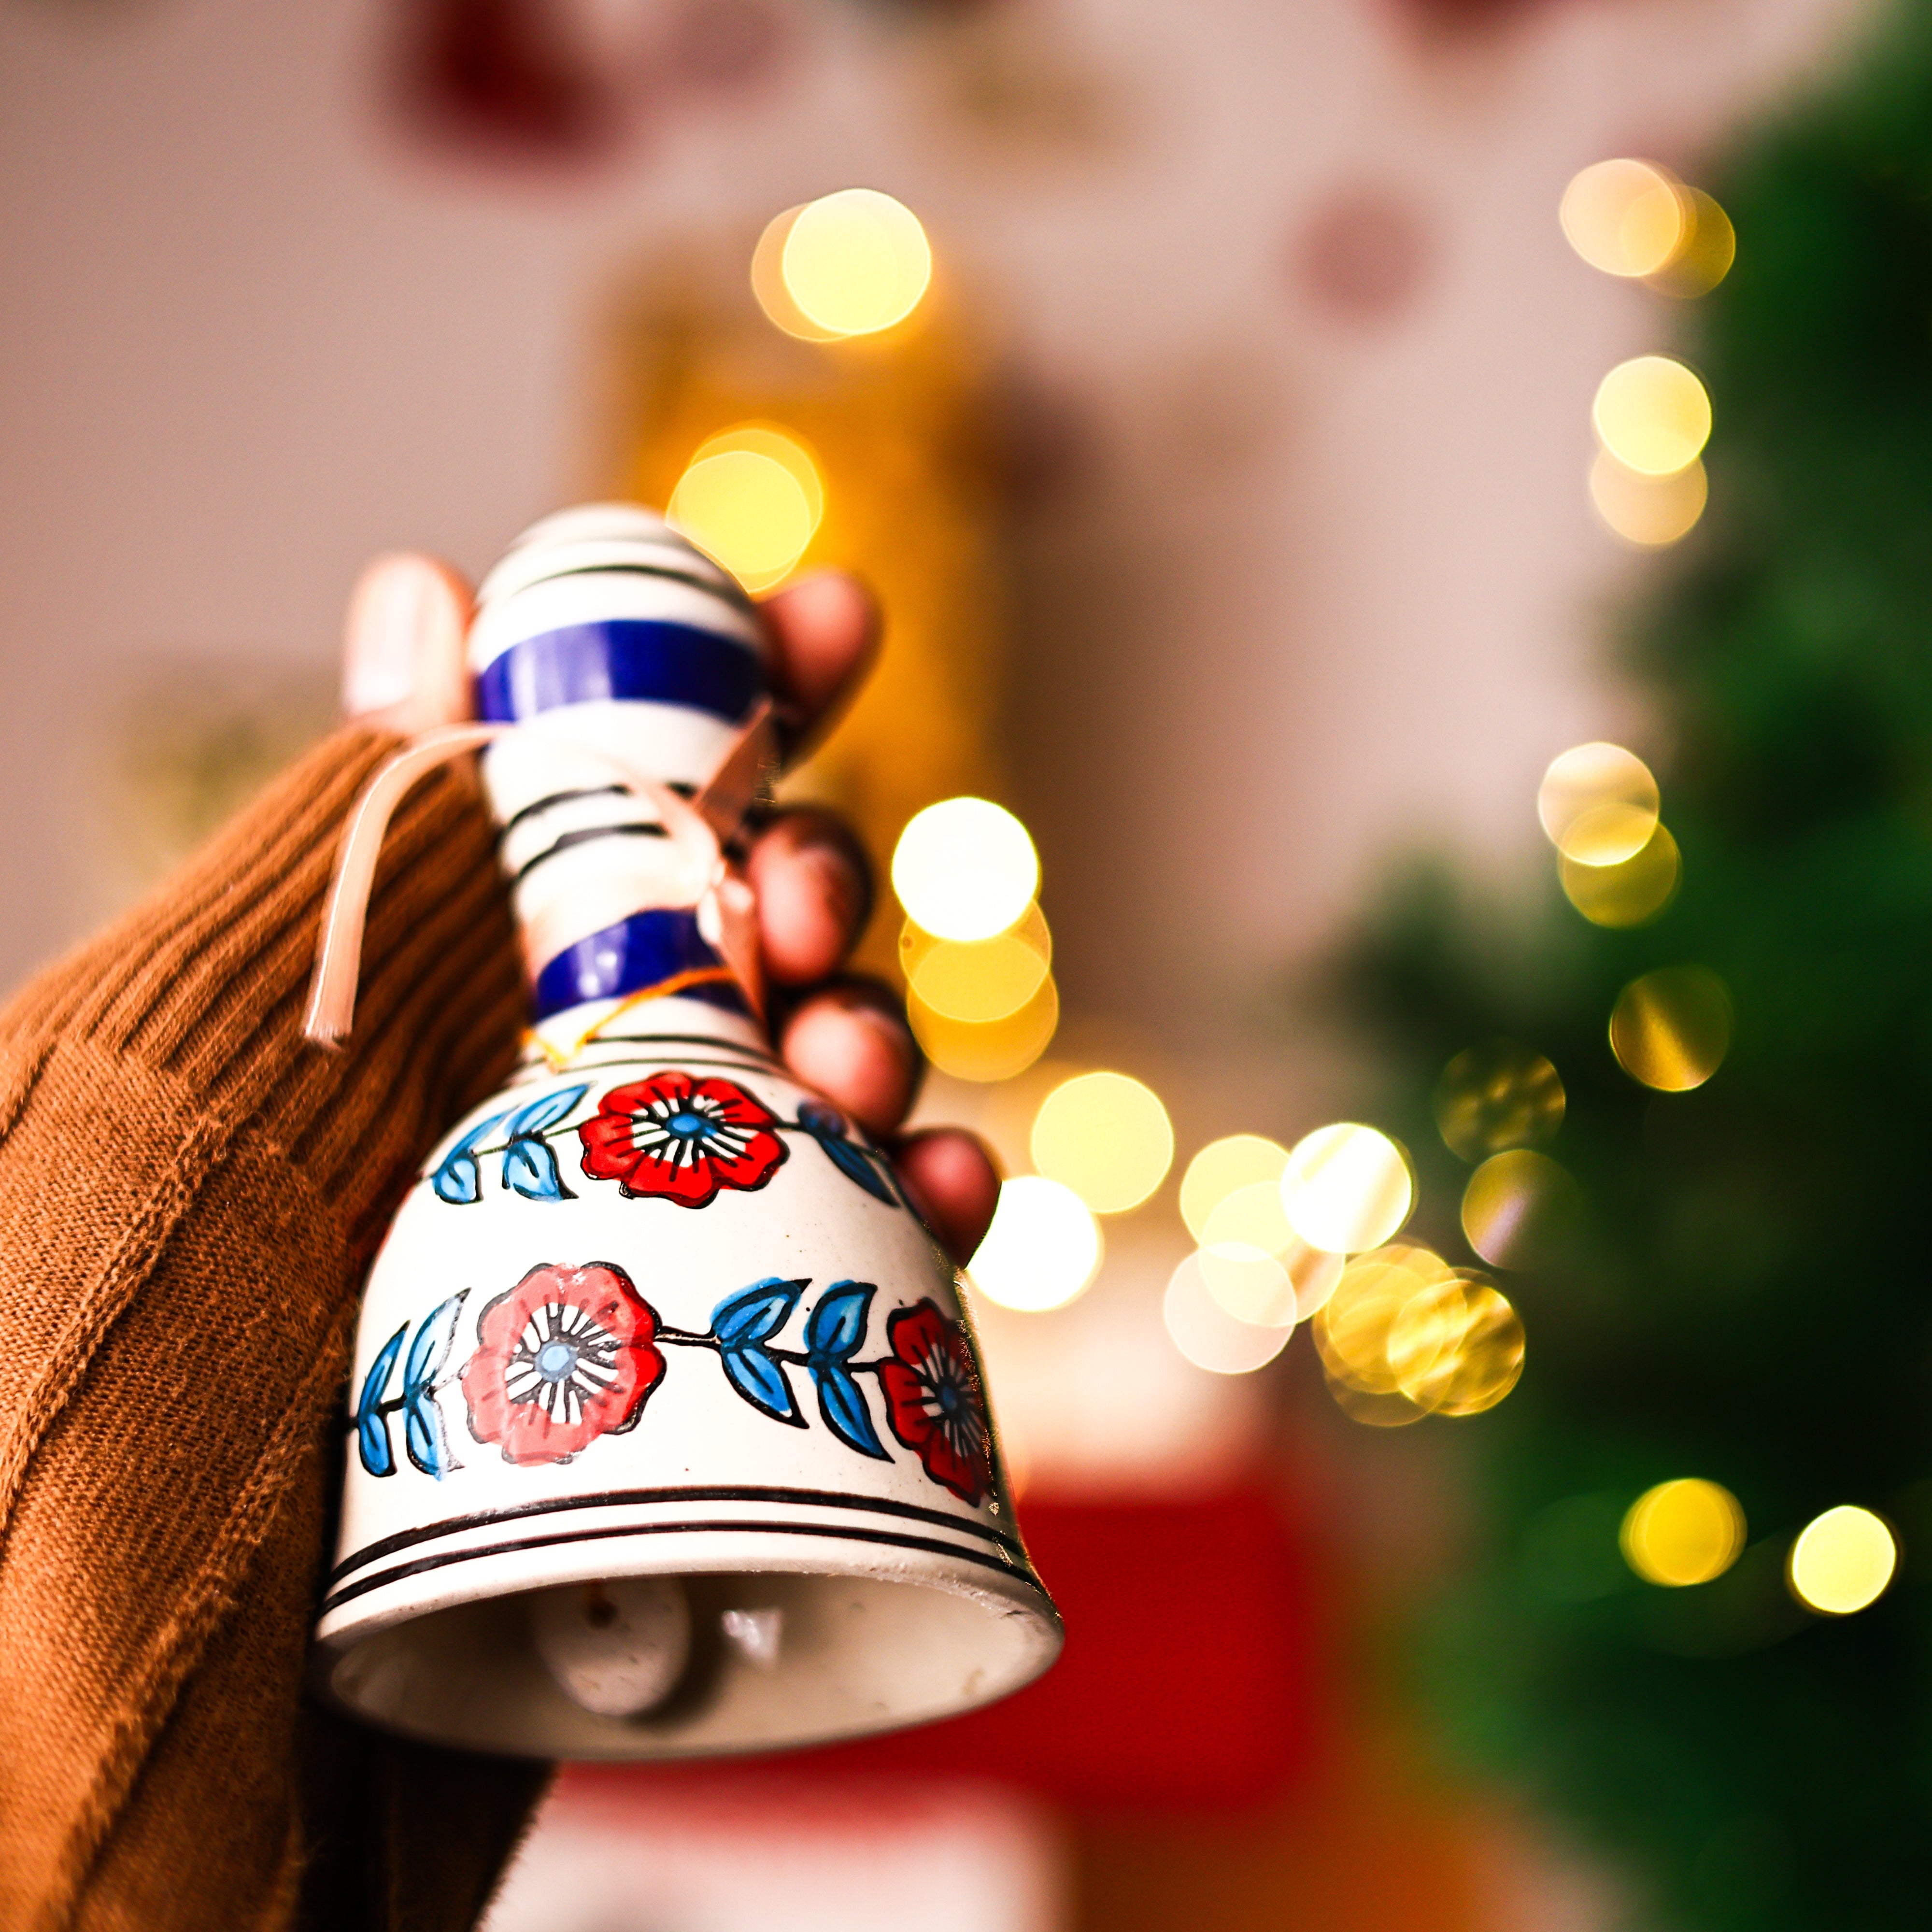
(667, 1432)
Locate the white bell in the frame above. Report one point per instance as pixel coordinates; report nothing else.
(667, 1433)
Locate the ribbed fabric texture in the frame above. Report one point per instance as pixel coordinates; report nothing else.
(190, 1195)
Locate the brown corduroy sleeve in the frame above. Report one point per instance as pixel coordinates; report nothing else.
(189, 1197)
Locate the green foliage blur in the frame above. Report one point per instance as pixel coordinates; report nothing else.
(1751, 1299)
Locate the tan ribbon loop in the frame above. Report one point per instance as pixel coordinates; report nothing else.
(727, 908)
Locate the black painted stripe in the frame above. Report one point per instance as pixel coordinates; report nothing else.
(408, 1539)
(565, 841)
(851, 1533)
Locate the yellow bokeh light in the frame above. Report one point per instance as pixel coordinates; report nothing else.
(1598, 803)
(1346, 1188)
(1240, 1160)
(1042, 1248)
(1518, 1209)
(996, 1050)
(1105, 1135)
(1253, 1215)
(1207, 1335)
(1651, 512)
(851, 263)
(965, 869)
(1632, 893)
(1842, 1561)
(1683, 1532)
(1704, 256)
(1671, 1029)
(978, 980)
(1626, 217)
(1652, 415)
(1456, 1345)
(1352, 1331)
(752, 499)
(1498, 1096)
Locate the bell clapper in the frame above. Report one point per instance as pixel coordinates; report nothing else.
(617, 1647)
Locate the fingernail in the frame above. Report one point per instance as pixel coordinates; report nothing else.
(846, 887)
(386, 613)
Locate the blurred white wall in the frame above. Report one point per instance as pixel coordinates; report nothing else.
(250, 333)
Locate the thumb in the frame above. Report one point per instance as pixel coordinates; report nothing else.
(403, 663)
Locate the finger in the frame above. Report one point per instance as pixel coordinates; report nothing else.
(403, 646)
(851, 1043)
(952, 1178)
(814, 888)
(826, 630)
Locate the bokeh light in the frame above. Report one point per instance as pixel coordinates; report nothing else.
(1519, 1209)
(1352, 1331)
(1346, 1188)
(1598, 803)
(1255, 1264)
(1107, 1137)
(1456, 1346)
(1043, 1248)
(1651, 512)
(1207, 1335)
(996, 1050)
(1632, 893)
(752, 498)
(965, 869)
(1682, 1532)
(1252, 1285)
(1253, 1215)
(1626, 217)
(1653, 414)
(1497, 1095)
(978, 980)
(1842, 1561)
(1704, 256)
(1237, 1161)
(1671, 1029)
(851, 263)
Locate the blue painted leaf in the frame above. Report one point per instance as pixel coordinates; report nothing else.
(530, 1167)
(837, 1323)
(430, 1349)
(844, 1411)
(761, 1382)
(423, 1435)
(372, 1427)
(545, 1112)
(857, 1165)
(757, 1313)
(372, 1444)
(458, 1181)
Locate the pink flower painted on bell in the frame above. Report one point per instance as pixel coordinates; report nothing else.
(567, 1355)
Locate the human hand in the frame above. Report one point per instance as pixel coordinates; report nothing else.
(403, 669)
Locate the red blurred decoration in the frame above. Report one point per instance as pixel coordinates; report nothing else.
(1188, 1684)
(1365, 254)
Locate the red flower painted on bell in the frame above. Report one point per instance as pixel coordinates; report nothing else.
(681, 1139)
(931, 1386)
(563, 1358)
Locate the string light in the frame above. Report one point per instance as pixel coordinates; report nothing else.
(1685, 1531)
(1346, 1188)
(1498, 1096)
(1671, 1029)
(851, 263)
(1042, 1248)
(1651, 512)
(978, 980)
(1652, 415)
(996, 1050)
(1631, 893)
(1626, 217)
(1842, 1561)
(1107, 1137)
(1207, 1335)
(965, 869)
(1598, 804)
(752, 498)
(1239, 1160)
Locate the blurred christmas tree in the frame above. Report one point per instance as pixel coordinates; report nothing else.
(1748, 1299)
